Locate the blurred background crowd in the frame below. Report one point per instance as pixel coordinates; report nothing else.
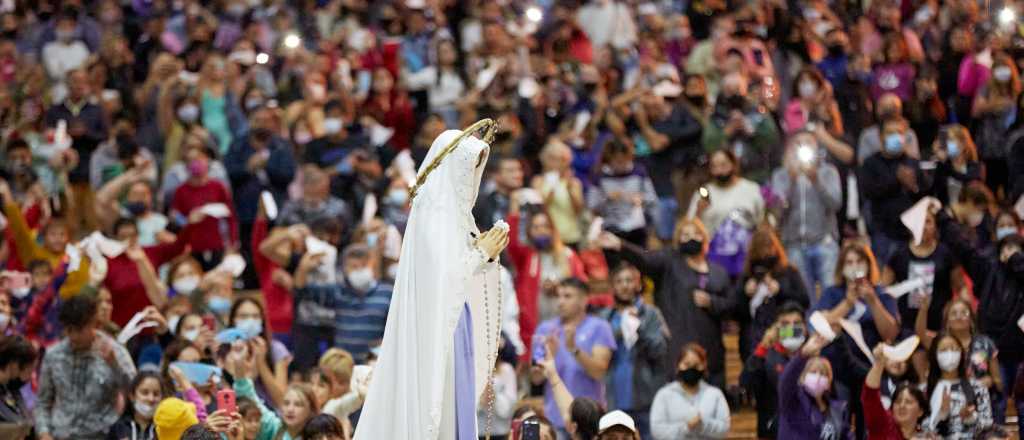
(204, 203)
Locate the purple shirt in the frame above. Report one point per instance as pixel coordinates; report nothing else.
(590, 333)
(897, 79)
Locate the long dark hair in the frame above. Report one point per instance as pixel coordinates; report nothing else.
(165, 390)
(322, 425)
(917, 394)
(586, 414)
(934, 372)
(263, 317)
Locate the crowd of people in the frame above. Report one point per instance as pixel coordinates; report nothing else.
(203, 208)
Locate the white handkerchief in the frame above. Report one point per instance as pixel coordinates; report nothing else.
(134, 327)
(530, 196)
(820, 325)
(61, 140)
(484, 78)
(326, 272)
(380, 135)
(1020, 322)
(369, 209)
(233, 264)
(406, 166)
(630, 328)
(902, 351)
(760, 295)
(97, 242)
(74, 257)
(914, 217)
(900, 289)
(581, 121)
(596, 227)
(269, 205)
(359, 374)
(215, 210)
(857, 334)
(1019, 207)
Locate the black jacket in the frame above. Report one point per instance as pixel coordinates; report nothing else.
(888, 197)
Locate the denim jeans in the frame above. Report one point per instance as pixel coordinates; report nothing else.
(665, 223)
(816, 263)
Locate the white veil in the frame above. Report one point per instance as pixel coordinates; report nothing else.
(438, 272)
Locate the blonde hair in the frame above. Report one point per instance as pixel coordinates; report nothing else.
(338, 364)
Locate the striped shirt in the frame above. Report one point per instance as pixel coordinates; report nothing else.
(359, 319)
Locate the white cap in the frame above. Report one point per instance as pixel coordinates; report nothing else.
(616, 418)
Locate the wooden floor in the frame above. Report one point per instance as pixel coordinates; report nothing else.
(744, 420)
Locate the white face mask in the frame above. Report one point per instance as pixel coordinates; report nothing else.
(251, 326)
(332, 125)
(145, 410)
(1002, 73)
(807, 89)
(855, 272)
(949, 360)
(793, 343)
(172, 323)
(191, 335)
(361, 279)
(4, 320)
(21, 292)
(186, 285)
(1005, 231)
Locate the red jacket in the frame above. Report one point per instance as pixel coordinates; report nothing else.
(127, 292)
(207, 235)
(528, 279)
(277, 299)
(877, 419)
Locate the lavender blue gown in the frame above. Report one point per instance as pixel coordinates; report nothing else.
(465, 380)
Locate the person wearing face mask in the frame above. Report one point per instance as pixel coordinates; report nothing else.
(742, 128)
(960, 406)
(811, 104)
(330, 149)
(641, 339)
(997, 277)
(316, 203)
(891, 182)
(211, 236)
(957, 162)
(688, 407)
(358, 307)
(1007, 224)
(768, 281)
(66, 51)
(247, 315)
(888, 107)
(692, 292)
(808, 406)
(144, 394)
(973, 211)
(933, 263)
(909, 408)
(994, 107)
(731, 210)
(18, 358)
(541, 260)
(761, 371)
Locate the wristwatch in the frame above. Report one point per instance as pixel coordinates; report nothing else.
(576, 352)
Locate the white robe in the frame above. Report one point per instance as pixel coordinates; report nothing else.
(410, 395)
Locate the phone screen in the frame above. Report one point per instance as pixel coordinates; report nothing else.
(531, 430)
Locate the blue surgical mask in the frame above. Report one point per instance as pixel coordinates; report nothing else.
(953, 149)
(218, 304)
(894, 143)
(252, 327)
(1004, 232)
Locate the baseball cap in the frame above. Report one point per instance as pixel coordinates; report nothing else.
(172, 417)
(615, 418)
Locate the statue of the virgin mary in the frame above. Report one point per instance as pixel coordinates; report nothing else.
(440, 341)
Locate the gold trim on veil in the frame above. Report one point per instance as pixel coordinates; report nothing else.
(484, 124)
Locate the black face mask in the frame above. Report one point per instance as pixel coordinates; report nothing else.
(722, 178)
(15, 384)
(623, 302)
(735, 102)
(261, 135)
(765, 264)
(135, 208)
(697, 100)
(691, 247)
(690, 376)
(836, 50)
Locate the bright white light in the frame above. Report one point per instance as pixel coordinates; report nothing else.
(805, 153)
(534, 14)
(1007, 15)
(292, 41)
(262, 58)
